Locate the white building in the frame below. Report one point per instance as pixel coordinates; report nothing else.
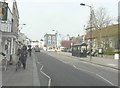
(50, 41)
(23, 40)
(35, 43)
(40, 44)
(9, 27)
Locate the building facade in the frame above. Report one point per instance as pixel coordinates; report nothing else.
(105, 38)
(8, 26)
(50, 41)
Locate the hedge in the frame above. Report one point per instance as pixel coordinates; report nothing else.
(110, 51)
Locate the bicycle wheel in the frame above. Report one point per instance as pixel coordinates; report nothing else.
(18, 64)
(4, 64)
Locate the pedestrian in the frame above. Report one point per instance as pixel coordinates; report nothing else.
(23, 56)
(29, 50)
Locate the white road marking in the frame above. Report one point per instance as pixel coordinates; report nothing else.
(112, 64)
(74, 66)
(64, 62)
(106, 80)
(95, 74)
(38, 62)
(49, 82)
(92, 72)
(82, 69)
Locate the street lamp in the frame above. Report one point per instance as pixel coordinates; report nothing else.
(90, 28)
(58, 35)
(21, 26)
(86, 5)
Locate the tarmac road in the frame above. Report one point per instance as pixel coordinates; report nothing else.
(58, 72)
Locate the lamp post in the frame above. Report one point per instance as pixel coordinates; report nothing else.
(90, 28)
(21, 25)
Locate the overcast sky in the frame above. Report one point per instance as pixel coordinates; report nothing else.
(65, 16)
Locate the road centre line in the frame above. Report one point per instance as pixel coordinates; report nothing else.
(96, 75)
(83, 69)
(90, 72)
(38, 62)
(106, 80)
(49, 82)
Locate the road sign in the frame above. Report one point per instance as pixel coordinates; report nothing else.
(1, 13)
(3, 10)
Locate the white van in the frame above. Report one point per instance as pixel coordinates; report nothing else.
(37, 49)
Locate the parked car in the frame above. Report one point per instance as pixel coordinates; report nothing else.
(94, 53)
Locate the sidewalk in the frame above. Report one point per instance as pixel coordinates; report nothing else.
(108, 62)
(27, 77)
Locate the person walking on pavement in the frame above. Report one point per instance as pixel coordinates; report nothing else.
(29, 50)
(23, 56)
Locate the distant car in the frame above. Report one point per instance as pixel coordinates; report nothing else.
(37, 49)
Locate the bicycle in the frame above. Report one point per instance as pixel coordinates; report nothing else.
(18, 64)
(4, 63)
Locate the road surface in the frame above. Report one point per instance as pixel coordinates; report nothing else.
(59, 70)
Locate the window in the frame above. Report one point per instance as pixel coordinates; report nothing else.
(49, 41)
(53, 42)
(53, 37)
(49, 37)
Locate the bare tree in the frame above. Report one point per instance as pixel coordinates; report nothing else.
(102, 19)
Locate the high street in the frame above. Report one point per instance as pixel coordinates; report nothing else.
(61, 70)
(58, 69)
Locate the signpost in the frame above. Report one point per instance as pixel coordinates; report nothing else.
(3, 10)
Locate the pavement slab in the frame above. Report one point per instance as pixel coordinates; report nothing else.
(21, 77)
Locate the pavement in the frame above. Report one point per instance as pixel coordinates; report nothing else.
(27, 77)
(107, 61)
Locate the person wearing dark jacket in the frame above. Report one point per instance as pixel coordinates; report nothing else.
(29, 50)
(23, 56)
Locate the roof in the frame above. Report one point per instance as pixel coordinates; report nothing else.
(49, 35)
(82, 44)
